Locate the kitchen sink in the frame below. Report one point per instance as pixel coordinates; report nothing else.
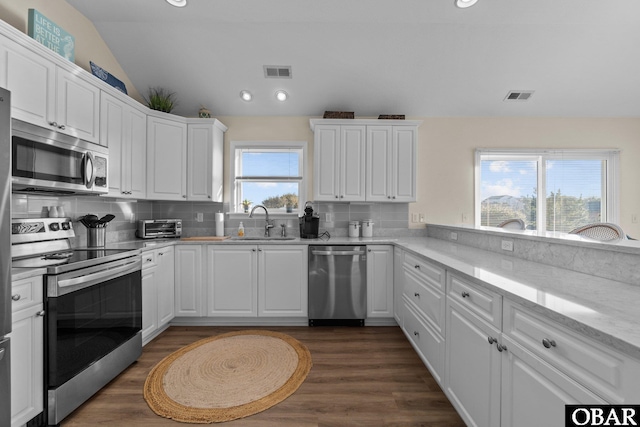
(262, 238)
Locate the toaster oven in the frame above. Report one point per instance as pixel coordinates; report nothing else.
(159, 228)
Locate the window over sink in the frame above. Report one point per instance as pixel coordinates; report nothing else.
(271, 173)
(578, 187)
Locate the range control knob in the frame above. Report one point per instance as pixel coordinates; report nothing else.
(54, 226)
(66, 226)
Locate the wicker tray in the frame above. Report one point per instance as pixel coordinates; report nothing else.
(391, 117)
(338, 115)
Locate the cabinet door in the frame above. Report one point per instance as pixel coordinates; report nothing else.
(326, 163)
(32, 82)
(379, 281)
(472, 370)
(166, 285)
(535, 394)
(77, 106)
(27, 365)
(166, 159)
(403, 164)
(204, 166)
(135, 138)
(188, 281)
(232, 283)
(379, 141)
(282, 280)
(149, 303)
(352, 165)
(112, 136)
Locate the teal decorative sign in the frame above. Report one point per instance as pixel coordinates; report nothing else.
(49, 34)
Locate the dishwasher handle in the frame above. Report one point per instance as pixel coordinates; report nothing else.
(337, 253)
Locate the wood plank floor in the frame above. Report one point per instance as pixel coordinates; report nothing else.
(367, 376)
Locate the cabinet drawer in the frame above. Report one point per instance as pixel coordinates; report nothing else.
(430, 272)
(483, 302)
(428, 343)
(428, 300)
(149, 259)
(610, 374)
(26, 292)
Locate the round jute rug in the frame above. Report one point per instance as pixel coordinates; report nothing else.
(226, 377)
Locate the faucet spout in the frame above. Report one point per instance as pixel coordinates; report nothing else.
(268, 226)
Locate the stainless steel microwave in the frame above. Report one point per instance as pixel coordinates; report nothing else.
(48, 162)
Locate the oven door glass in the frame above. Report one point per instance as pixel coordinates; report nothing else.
(87, 324)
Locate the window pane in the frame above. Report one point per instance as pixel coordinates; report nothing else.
(268, 163)
(274, 195)
(574, 193)
(508, 190)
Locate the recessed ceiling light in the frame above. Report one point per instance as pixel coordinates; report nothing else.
(281, 95)
(246, 95)
(177, 3)
(465, 3)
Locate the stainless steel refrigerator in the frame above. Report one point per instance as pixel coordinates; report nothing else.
(5, 257)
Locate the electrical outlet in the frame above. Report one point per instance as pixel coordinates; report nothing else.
(421, 217)
(634, 218)
(454, 235)
(465, 217)
(507, 245)
(328, 217)
(199, 217)
(414, 217)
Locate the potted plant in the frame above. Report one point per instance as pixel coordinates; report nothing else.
(290, 201)
(160, 99)
(245, 204)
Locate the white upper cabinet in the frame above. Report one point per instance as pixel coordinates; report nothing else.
(48, 95)
(166, 159)
(123, 129)
(365, 160)
(339, 163)
(205, 140)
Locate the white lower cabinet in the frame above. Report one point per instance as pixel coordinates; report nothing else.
(157, 291)
(252, 281)
(398, 285)
(27, 350)
(379, 281)
(189, 280)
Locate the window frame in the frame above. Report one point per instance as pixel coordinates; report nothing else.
(234, 161)
(610, 178)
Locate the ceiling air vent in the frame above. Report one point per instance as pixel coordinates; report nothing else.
(277, 71)
(519, 95)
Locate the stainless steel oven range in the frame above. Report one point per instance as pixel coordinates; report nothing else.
(93, 310)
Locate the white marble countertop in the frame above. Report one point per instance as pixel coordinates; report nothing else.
(603, 309)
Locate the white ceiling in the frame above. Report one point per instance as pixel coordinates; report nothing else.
(423, 58)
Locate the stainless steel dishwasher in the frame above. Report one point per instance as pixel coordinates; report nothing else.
(337, 285)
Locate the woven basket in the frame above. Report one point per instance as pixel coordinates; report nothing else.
(338, 115)
(391, 117)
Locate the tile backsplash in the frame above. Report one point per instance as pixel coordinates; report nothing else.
(389, 219)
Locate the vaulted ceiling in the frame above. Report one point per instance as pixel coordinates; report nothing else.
(424, 58)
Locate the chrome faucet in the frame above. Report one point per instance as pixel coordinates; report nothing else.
(268, 226)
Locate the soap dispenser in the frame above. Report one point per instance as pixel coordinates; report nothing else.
(240, 230)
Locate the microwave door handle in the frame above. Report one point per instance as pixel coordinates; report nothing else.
(89, 170)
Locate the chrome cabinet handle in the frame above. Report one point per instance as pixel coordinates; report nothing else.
(393, 197)
(53, 124)
(149, 259)
(416, 333)
(208, 196)
(417, 266)
(415, 294)
(547, 343)
(61, 127)
(16, 297)
(40, 313)
(501, 347)
(253, 250)
(336, 196)
(388, 197)
(184, 196)
(492, 340)
(464, 294)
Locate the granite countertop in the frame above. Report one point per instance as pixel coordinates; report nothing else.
(603, 309)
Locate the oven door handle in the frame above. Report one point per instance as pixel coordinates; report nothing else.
(89, 279)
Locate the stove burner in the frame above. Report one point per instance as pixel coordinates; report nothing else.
(59, 255)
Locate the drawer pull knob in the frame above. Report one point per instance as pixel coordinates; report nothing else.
(416, 333)
(149, 259)
(16, 297)
(501, 347)
(492, 340)
(547, 343)
(415, 294)
(417, 266)
(465, 294)
(40, 313)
